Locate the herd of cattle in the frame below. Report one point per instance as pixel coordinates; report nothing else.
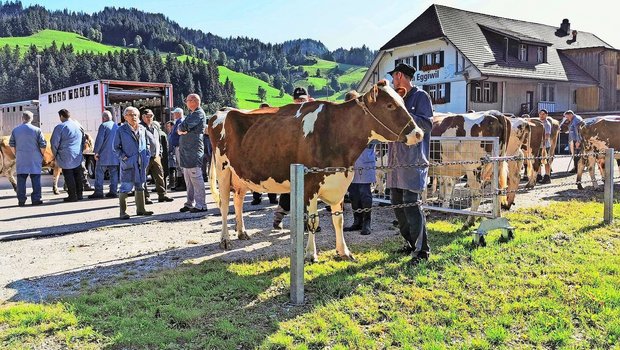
(252, 151)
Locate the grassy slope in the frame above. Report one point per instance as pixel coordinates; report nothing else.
(45, 38)
(350, 74)
(554, 286)
(246, 88)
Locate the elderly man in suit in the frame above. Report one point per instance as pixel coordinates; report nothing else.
(28, 145)
(105, 157)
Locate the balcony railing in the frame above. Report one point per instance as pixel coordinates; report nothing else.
(549, 106)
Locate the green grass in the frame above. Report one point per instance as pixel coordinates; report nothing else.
(246, 88)
(556, 285)
(347, 74)
(45, 38)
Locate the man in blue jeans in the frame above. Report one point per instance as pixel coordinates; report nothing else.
(105, 157)
(407, 183)
(28, 144)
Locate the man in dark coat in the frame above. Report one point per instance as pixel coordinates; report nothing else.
(191, 152)
(407, 183)
(154, 167)
(67, 146)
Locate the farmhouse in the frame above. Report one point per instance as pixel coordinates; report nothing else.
(467, 60)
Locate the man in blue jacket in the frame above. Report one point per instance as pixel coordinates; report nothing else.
(105, 157)
(407, 183)
(67, 146)
(28, 145)
(132, 149)
(574, 136)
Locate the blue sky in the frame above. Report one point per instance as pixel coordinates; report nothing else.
(350, 23)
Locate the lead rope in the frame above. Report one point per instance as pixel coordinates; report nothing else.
(366, 110)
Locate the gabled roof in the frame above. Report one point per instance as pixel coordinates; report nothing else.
(466, 30)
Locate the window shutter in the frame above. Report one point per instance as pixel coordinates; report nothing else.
(494, 91)
(472, 92)
(441, 56)
(447, 97)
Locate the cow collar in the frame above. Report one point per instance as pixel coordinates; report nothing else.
(364, 106)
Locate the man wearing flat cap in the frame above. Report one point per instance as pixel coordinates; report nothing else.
(154, 168)
(407, 183)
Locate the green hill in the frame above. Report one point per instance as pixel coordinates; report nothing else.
(45, 38)
(246, 88)
(347, 75)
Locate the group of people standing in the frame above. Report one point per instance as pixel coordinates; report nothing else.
(134, 149)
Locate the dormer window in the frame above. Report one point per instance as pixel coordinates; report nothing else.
(540, 54)
(522, 52)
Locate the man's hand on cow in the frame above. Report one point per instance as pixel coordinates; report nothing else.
(96, 156)
(181, 132)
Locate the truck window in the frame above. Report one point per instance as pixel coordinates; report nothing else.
(71, 94)
(54, 97)
(88, 91)
(82, 91)
(95, 89)
(75, 93)
(64, 95)
(49, 98)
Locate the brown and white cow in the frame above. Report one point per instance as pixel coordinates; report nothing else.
(598, 135)
(480, 124)
(7, 161)
(253, 151)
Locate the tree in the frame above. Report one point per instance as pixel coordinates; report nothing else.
(318, 73)
(334, 84)
(281, 92)
(180, 49)
(137, 41)
(262, 93)
(124, 42)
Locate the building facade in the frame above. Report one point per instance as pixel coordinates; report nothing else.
(472, 61)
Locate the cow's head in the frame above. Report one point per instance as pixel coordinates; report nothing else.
(564, 125)
(390, 119)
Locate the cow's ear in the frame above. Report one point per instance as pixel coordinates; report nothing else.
(372, 98)
(382, 82)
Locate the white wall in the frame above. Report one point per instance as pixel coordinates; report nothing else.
(86, 110)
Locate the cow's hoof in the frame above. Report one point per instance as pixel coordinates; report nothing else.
(345, 257)
(243, 235)
(55, 190)
(225, 244)
(579, 187)
(312, 259)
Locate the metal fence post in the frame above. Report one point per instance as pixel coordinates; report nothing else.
(608, 197)
(495, 184)
(297, 234)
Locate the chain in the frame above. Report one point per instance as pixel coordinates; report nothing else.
(563, 184)
(362, 210)
(480, 162)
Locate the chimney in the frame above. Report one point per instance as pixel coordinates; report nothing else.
(565, 26)
(574, 35)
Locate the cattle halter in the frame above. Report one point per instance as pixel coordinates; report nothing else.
(366, 110)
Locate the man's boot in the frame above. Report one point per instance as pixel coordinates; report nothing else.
(122, 200)
(358, 219)
(180, 184)
(575, 163)
(546, 180)
(140, 209)
(172, 176)
(366, 224)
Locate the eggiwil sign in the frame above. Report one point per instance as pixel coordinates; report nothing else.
(434, 74)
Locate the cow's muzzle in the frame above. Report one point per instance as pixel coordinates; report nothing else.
(414, 136)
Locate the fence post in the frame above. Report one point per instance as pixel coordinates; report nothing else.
(495, 184)
(297, 234)
(608, 197)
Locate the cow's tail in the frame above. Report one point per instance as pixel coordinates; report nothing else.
(215, 193)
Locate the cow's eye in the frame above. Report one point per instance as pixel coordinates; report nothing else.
(390, 106)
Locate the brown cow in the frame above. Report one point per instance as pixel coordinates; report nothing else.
(598, 135)
(480, 124)
(253, 151)
(7, 161)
